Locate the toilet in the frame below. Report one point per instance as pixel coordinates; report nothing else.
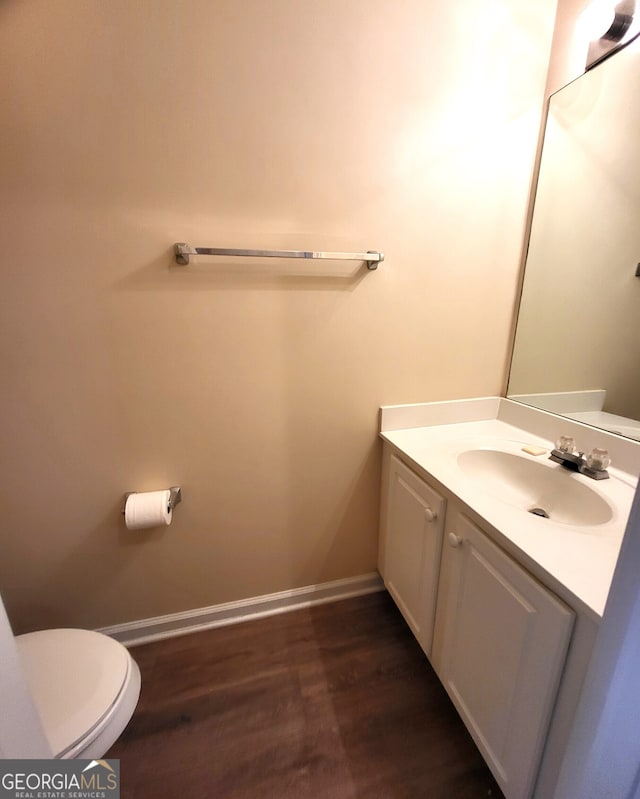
(64, 693)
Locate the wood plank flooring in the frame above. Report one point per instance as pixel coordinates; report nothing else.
(332, 702)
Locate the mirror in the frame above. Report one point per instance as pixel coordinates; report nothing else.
(577, 344)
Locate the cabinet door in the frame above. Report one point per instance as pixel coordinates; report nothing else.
(414, 524)
(500, 644)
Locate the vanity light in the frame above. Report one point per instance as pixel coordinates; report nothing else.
(596, 19)
(608, 26)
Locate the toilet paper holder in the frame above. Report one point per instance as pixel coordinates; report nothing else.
(175, 497)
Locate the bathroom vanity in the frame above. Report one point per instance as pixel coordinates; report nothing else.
(504, 602)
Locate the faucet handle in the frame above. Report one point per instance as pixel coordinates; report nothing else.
(598, 459)
(566, 444)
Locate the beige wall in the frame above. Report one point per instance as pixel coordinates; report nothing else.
(407, 127)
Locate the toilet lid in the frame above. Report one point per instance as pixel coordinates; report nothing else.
(75, 676)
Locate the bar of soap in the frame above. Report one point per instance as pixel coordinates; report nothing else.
(533, 450)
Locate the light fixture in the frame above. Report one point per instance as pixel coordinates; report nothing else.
(608, 26)
(596, 18)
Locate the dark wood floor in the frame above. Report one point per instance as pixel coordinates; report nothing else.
(332, 702)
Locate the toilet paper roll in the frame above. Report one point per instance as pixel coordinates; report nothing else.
(147, 509)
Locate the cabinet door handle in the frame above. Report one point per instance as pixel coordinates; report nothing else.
(430, 515)
(454, 540)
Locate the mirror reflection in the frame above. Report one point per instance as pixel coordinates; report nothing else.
(577, 345)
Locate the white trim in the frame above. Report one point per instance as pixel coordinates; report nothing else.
(173, 624)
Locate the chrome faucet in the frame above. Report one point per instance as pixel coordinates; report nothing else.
(594, 465)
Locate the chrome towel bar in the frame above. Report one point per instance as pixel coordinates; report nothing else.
(184, 252)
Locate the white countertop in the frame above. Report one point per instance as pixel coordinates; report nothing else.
(577, 562)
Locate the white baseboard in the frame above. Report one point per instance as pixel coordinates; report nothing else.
(189, 621)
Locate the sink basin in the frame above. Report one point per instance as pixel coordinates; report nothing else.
(546, 489)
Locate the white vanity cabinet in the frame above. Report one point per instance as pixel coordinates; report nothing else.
(410, 547)
(500, 644)
(497, 638)
(519, 598)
